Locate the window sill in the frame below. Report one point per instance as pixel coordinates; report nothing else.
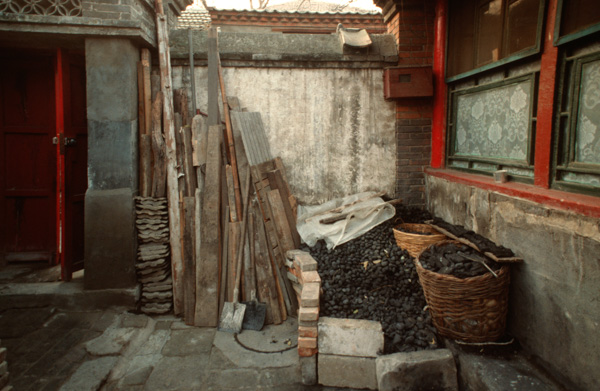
(577, 203)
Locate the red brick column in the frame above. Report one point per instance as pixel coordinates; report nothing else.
(412, 23)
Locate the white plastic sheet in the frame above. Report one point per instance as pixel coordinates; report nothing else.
(362, 217)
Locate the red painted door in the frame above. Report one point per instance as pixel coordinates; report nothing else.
(75, 161)
(43, 158)
(27, 157)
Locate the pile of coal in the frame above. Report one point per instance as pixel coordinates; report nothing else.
(372, 278)
(484, 244)
(457, 260)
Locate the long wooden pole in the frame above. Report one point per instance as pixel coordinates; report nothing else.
(172, 187)
(230, 142)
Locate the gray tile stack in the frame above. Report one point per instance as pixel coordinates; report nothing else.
(4, 375)
(153, 265)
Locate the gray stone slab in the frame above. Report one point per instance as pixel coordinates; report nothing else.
(262, 341)
(426, 370)
(90, 375)
(279, 377)
(485, 373)
(137, 377)
(110, 244)
(233, 379)
(134, 320)
(111, 342)
(350, 337)
(346, 371)
(308, 368)
(178, 373)
(193, 341)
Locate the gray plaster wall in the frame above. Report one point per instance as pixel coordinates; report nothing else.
(110, 241)
(331, 126)
(554, 299)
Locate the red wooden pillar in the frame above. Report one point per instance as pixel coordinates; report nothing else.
(438, 128)
(545, 114)
(60, 164)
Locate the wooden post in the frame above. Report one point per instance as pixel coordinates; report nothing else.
(207, 267)
(213, 78)
(189, 274)
(164, 57)
(229, 141)
(188, 160)
(159, 177)
(145, 165)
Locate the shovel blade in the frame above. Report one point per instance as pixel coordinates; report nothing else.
(232, 317)
(254, 318)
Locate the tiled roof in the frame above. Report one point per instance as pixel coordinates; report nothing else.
(194, 17)
(311, 7)
(317, 7)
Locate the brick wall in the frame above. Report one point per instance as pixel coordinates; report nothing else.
(411, 22)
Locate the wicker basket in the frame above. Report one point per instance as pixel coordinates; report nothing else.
(414, 243)
(470, 309)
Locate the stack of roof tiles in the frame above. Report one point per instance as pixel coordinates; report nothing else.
(153, 264)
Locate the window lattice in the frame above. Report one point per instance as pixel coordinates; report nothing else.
(42, 7)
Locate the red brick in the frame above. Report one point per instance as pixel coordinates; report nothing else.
(307, 342)
(308, 314)
(307, 352)
(309, 276)
(310, 332)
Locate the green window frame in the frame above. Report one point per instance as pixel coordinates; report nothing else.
(577, 33)
(568, 172)
(506, 58)
(519, 169)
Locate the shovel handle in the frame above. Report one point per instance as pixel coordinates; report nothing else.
(240, 253)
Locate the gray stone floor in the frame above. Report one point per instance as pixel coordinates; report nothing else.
(56, 340)
(53, 349)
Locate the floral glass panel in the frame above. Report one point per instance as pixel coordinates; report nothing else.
(587, 143)
(494, 123)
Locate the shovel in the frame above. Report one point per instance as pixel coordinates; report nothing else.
(254, 318)
(232, 316)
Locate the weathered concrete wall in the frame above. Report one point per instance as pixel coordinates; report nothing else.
(110, 241)
(554, 300)
(332, 128)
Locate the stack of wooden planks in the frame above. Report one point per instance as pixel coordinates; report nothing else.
(201, 164)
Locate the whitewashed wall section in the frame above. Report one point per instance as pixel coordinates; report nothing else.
(332, 128)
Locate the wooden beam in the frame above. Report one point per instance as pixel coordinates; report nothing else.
(189, 271)
(188, 161)
(229, 141)
(213, 78)
(145, 165)
(164, 57)
(146, 71)
(207, 267)
(159, 177)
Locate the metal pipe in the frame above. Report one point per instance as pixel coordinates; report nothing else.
(438, 128)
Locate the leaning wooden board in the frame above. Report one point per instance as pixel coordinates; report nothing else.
(279, 241)
(207, 267)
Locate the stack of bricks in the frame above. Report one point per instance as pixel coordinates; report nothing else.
(303, 273)
(4, 375)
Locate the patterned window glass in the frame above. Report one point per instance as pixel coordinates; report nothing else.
(587, 144)
(494, 123)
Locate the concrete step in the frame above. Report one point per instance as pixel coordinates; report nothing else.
(499, 368)
(65, 295)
